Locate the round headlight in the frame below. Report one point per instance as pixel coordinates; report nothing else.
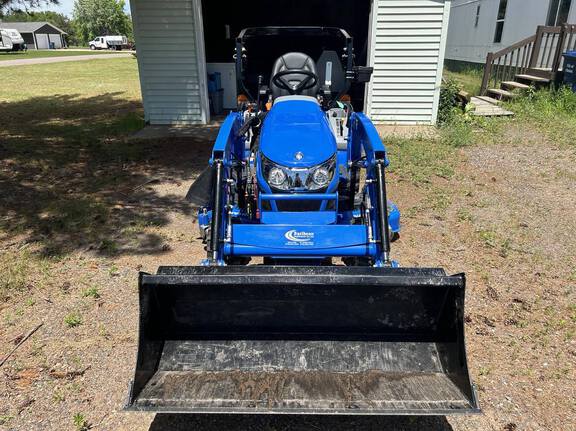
(276, 177)
(321, 177)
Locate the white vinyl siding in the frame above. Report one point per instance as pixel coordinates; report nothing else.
(467, 43)
(407, 43)
(407, 53)
(170, 61)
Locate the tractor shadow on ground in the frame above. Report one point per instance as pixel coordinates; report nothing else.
(172, 422)
(72, 179)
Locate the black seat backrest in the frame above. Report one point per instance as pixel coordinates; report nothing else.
(330, 63)
(293, 61)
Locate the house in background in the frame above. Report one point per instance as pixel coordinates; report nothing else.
(39, 35)
(180, 41)
(478, 27)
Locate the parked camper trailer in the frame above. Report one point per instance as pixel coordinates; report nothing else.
(5, 42)
(109, 42)
(18, 43)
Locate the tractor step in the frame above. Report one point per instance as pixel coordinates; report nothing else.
(302, 340)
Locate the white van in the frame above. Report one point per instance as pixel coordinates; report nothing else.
(109, 42)
(5, 42)
(18, 43)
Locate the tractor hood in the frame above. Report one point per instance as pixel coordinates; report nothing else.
(297, 134)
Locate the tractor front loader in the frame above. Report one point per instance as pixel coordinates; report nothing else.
(325, 322)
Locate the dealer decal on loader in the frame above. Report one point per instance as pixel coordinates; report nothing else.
(299, 238)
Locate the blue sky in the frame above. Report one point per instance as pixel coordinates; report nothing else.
(67, 6)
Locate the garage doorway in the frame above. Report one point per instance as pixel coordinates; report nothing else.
(56, 40)
(43, 42)
(222, 23)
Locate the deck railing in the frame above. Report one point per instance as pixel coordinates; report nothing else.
(540, 54)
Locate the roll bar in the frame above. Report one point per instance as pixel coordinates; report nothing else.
(283, 31)
(352, 73)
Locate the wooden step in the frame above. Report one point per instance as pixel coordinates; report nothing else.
(540, 72)
(501, 94)
(489, 100)
(485, 106)
(513, 85)
(532, 78)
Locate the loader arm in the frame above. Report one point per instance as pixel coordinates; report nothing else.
(229, 145)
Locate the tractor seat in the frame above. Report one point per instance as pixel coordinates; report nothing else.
(293, 61)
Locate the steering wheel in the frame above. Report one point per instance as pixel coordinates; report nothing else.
(310, 81)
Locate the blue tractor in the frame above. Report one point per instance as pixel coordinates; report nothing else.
(298, 306)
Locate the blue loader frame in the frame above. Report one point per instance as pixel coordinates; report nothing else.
(312, 236)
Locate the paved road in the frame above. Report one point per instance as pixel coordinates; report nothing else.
(89, 50)
(47, 60)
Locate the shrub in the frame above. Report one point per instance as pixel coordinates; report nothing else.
(448, 107)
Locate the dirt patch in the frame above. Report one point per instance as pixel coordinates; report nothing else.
(508, 226)
(502, 216)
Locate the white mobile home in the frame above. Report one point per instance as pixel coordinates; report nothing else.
(179, 41)
(478, 27)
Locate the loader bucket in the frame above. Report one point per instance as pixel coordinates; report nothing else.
(302, 340)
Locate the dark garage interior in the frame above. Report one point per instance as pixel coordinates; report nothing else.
(223, 22)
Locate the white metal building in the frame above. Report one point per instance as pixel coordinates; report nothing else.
(478, 27)
(178, 41)
(39, 35)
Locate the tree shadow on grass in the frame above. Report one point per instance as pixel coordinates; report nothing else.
(171, 422)
(70, 179)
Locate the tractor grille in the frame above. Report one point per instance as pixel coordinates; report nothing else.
(298, 206)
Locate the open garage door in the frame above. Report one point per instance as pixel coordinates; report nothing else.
(43, 41)
(223, 23)
(56, 40)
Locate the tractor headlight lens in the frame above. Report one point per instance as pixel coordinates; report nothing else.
(281, 178)
(277, 177)
(321, 177)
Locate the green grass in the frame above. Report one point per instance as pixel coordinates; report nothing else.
(80, 79)
(550, 112)
(4, 419)
(21, 270)
(6, 56)
(80, 422)
(469, 79)
(419, 160)
(73, 320)
(63, 151)
(91, 292)
(14, 268)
